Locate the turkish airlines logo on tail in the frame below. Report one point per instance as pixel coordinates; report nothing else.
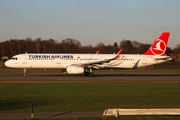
(159, 47)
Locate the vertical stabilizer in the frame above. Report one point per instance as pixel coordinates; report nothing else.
(159, 46)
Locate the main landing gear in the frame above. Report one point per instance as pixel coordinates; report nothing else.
(24, 73)
(88, 72)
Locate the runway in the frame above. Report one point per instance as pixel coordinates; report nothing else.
(99, 77)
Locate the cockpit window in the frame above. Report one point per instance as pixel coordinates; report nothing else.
(14, 58)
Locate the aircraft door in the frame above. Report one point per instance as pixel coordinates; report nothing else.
(144, 59)
(24, 59)
(58, 61)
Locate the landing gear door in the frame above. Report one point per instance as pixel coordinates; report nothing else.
(24, 59)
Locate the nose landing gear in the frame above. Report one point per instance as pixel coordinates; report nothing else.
(24, 73)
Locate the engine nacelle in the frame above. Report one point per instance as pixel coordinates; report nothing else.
(74, 69)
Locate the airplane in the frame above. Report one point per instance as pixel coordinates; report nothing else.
(86, 63)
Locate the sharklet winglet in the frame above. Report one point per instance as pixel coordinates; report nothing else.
(118, 54)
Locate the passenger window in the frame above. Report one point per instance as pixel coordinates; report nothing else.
(13, 58)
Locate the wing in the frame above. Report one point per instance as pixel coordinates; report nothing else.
(99, 62)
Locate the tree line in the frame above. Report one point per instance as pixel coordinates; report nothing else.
(18, 46)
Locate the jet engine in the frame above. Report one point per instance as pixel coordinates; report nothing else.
(74, 69)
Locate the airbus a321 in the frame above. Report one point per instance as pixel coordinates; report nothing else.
(86, 63)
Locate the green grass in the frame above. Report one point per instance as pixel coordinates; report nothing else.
(86, 95)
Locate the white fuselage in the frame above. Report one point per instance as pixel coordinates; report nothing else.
(61, 61)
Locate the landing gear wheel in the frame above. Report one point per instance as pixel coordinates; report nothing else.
(91, 74)
(24, 74)
(86, 74)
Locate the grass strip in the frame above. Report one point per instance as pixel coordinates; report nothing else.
(63, 96)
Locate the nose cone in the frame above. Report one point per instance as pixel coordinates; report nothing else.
(7, 63)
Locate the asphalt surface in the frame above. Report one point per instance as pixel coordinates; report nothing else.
(70, 114)
(101, 77)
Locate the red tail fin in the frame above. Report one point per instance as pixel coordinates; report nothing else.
(159, 46)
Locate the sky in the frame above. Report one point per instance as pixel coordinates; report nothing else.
(90, 21)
